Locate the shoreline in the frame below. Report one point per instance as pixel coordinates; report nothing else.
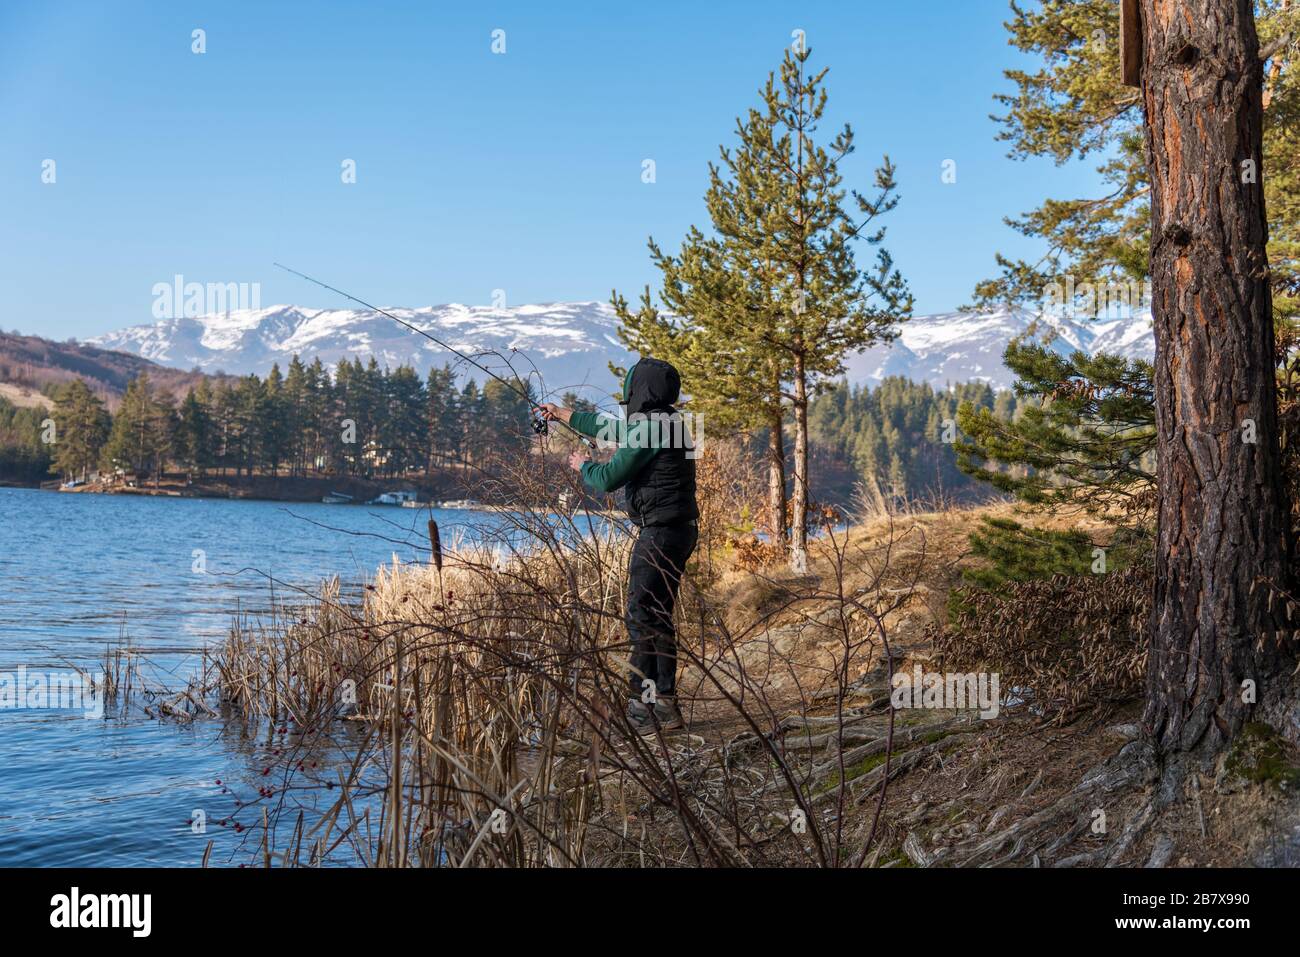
(268, 488)
(220, 493)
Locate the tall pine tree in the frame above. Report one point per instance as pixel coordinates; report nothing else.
(81, 429)
(775, 299)
(141, 437)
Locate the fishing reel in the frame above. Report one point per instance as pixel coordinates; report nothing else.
(540, 425)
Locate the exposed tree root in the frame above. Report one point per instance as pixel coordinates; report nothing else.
(1044, 834)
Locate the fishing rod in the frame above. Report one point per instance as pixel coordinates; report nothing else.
(539, 423)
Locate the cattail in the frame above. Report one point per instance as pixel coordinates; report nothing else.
(435, 542)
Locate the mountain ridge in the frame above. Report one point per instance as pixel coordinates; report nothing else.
(571, 344)
(955, 347)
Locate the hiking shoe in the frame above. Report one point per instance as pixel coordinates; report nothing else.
(645, 719)
(666, 713)
(641, 717)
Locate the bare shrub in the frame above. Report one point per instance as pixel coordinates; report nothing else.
(729, 489)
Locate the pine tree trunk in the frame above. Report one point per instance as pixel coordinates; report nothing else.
(776, 482)
(1221, 525)
(799, 516)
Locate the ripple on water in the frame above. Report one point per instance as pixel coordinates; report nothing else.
(79, 571)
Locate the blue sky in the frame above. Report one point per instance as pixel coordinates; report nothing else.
(475, 171)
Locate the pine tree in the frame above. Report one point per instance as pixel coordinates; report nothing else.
(506, 416)
(194, 430)
(141, 436)
(317, 406)
(405, 425)
(273, 420)
(1015, 553)
(901, 435)
(364, 403)
(296, 415)
(440, 398)
(1084, 436)
(469, 409)
(571, 400)
(340, 423)
(250, 417)
(775, 301)
(1222, 541)
(226, 438)
(732, 377)
(1075, 106)
(1190, 167)
(81, 429)
(24, 456)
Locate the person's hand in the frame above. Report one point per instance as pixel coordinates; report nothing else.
(576, 460)
(551, 412)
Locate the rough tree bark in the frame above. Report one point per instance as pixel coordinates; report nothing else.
(1221, 526)
(776, 482)
(799, 509)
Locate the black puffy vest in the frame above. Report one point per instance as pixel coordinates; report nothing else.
(662, 493)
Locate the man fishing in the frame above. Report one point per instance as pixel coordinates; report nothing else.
(654, 468)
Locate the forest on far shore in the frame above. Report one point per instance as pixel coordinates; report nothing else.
(363, 421)
(352, 420)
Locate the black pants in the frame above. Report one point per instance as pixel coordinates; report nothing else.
(654, 575)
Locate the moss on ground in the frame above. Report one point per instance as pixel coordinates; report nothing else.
(897, 858)
(851, 772)
(1260, 756)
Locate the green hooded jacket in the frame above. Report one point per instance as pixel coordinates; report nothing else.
(636, 445)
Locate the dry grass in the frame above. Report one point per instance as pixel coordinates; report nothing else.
(24, 397)
(479, 710)
(482, 709)
(509, 748)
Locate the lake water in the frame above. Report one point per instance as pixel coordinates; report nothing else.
(77, 571)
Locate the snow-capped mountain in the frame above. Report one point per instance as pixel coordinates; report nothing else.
(954, 347)
(570, 344)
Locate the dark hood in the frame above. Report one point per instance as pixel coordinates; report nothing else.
(652, 385)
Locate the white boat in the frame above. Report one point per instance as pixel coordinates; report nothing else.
(337, 498)
(393, 498)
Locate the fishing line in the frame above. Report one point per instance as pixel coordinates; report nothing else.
(539, 424)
